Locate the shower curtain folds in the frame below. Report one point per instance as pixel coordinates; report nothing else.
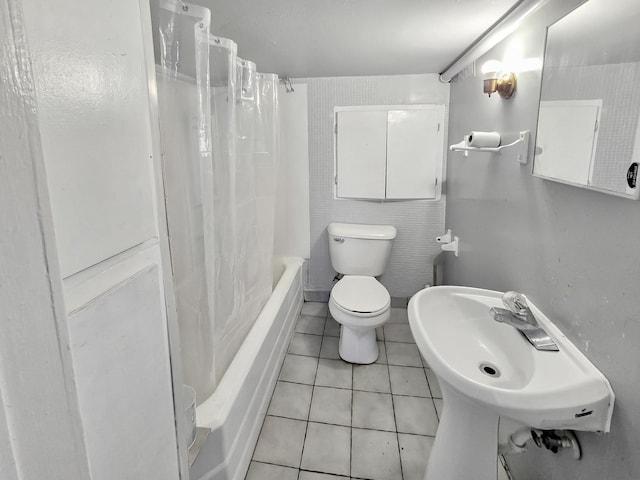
(219, 120)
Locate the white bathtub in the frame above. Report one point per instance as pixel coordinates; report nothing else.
(236, 410)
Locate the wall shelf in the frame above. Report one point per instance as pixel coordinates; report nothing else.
(522, 144)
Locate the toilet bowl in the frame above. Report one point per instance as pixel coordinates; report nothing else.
(360, 304)
(358, 301)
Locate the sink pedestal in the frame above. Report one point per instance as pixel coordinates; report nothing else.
(466, 446)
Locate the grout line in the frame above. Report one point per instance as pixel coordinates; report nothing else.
(360, 390)
(393, 407)
(306, 430)
(350, 426)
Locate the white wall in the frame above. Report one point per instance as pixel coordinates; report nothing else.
(292, 227)
(40, 430)
(418, 221)
(552, 242)
(99, 145)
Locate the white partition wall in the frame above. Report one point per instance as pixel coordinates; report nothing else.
(100, 150)
(38, 397)
(292, 224)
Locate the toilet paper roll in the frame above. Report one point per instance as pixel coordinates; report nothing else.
(484, 139)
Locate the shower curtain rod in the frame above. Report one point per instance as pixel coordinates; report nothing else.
(504, 27)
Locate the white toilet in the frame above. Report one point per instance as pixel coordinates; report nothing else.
(358, 301)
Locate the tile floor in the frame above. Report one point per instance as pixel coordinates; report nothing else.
(331, 420)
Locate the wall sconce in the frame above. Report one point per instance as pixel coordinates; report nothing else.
(504, 84)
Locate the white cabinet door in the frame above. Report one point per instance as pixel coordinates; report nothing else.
(361, 154)
(414, 152)
(566, 140)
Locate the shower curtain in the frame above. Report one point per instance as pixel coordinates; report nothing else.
(218, 119)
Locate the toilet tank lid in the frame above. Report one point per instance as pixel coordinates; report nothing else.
(356, 230)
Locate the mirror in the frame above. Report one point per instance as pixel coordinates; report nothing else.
(589, 116)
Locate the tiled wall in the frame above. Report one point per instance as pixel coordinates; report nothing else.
(616, 85)
(418, 221)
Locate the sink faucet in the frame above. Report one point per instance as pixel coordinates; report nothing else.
(519, 315)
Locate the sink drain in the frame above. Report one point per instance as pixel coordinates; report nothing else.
(490, 369)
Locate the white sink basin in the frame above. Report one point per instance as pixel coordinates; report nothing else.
(488, 371)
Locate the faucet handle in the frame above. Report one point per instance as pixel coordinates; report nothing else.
(515, 302)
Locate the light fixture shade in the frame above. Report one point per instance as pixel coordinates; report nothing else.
(490, 85)
(490, 68)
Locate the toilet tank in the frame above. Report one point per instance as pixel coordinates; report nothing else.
(357, 249)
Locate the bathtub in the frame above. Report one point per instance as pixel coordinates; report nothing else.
(237, 408)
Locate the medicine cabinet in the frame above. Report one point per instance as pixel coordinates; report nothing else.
(389, 152)
(589, 117)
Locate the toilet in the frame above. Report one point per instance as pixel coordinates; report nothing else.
(358, 302)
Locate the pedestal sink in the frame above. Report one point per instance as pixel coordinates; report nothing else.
(488, 371)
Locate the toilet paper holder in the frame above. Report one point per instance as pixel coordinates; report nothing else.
(449, 242)
(522, 142)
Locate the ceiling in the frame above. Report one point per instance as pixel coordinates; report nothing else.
(315, 38)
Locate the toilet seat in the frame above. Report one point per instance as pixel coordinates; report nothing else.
(360, 304)
(360, 296)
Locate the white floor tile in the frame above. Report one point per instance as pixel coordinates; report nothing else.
(330, 348)
(398, 315)
(409, 381)
(415, 415)
(404, 354)
(319, 476)
(331, 405)
(280, 441)
(334, 373)
(299, 369)
(371, 378)
(291, 400)
(315, 309)
(312, 325)
(414, 454)
(353, 411)
(326, 449)
(305, 344)
(374, 455)
(394, 332)
(382, 353)
(331, 327)
(264, 471)
(373, 410)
